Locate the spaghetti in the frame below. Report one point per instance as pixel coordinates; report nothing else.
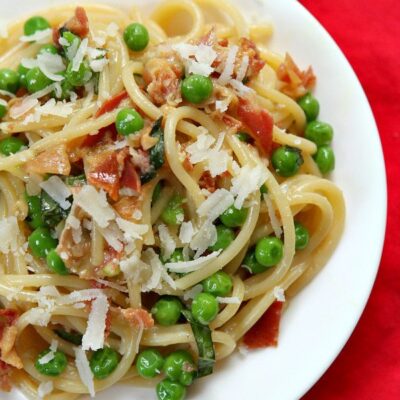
(162, 191)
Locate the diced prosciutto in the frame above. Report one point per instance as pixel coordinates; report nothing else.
(295, 82)
(266, 330)
(208, 182)
(112, 103)
(138, 317)
(248, 47)
(5, 376)
(79, 23)
(130, 178)
(52, 161)
(8, 336)
(259, 121)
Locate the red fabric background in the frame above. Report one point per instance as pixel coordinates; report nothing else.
(368, 32)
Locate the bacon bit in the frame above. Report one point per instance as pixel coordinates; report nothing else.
(162, 77)
(248, 47)
(108, 134)
(295, 83)
(223, 42)
(259, 121)
(208, 182)
(130, 178)
(111, 104)
(5, 376)
(266, 330)
(21, 92)
(127, 205)
(52, 161)
(9, 332)
(138, 317)
(78, 24)
(102, 171)
(187, 164)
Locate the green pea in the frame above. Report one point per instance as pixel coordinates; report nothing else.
(176, 256)
(103, 362)
(136, 36)
(156, 192)
(169, 390)
(325, 159)
(35, 218)
(263, 189)
(204, 308)
(149, 363)
(179, 367)
(9, 80)
(55, 263)
(218, 284)
(35, 24)
(302, 236)
(36, 80)
(244, 137)
(196, 88)
(319, 132)
(269, 251)
(167, 310)
(173, 213)
(80, 77)
(287, 160)
(22, 71)
(41, 242)
(128, 121)
(11, 145)
(54, 367)
(225, 236)
(48, 48)
(66, 90)
(233, 217)
(310, 106)
(251, 264)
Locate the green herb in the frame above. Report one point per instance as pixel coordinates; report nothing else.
(202, 335)
(72, 337)
(52, 213)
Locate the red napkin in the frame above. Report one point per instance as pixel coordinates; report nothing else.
(368, 32)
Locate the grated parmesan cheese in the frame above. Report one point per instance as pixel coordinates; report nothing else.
(130, 229)
(279, 293)
(50, 355)
(204, 238)
(8, 234)
(45, 388)
(80, 54)
(167, 242)
(37, 316)
(83, 367)
(244, 65)
(228, 300)
(42, 36)
(242, 89)
(113, 236)
(249, 180)
(186, 232)
(18, 110)
(93, 339)
(193, 265)
(276, 226)
(215, 204)
(229, 66)
(58, 191)
(95, 204)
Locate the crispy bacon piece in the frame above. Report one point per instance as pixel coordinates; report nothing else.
(295, 82)
(52, 161)
(259, 121)
(130, 178)
(106, 134)
(162, 77)
(248, 47)
(79, 23)
(266, 330)
(111, 104)
(138, 317)
(208, 182)
(8, 336)
(102, 171)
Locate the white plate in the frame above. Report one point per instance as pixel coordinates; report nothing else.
(320, 320)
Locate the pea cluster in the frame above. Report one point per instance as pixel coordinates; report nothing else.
(321, 133)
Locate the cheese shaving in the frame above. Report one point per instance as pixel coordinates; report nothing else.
(83, 367)
(204, 238)
(279, 293)
(193, 265)
(215, 204)
(192, 292)
(186, 232)
(50, 355)
(42, 36)
(244, 65)
(9, 231)
(57, 190)
(80, 54)
(228, 300)
(229, 66)
(167, 242)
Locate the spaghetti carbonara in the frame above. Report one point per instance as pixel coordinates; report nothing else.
(163, 195)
